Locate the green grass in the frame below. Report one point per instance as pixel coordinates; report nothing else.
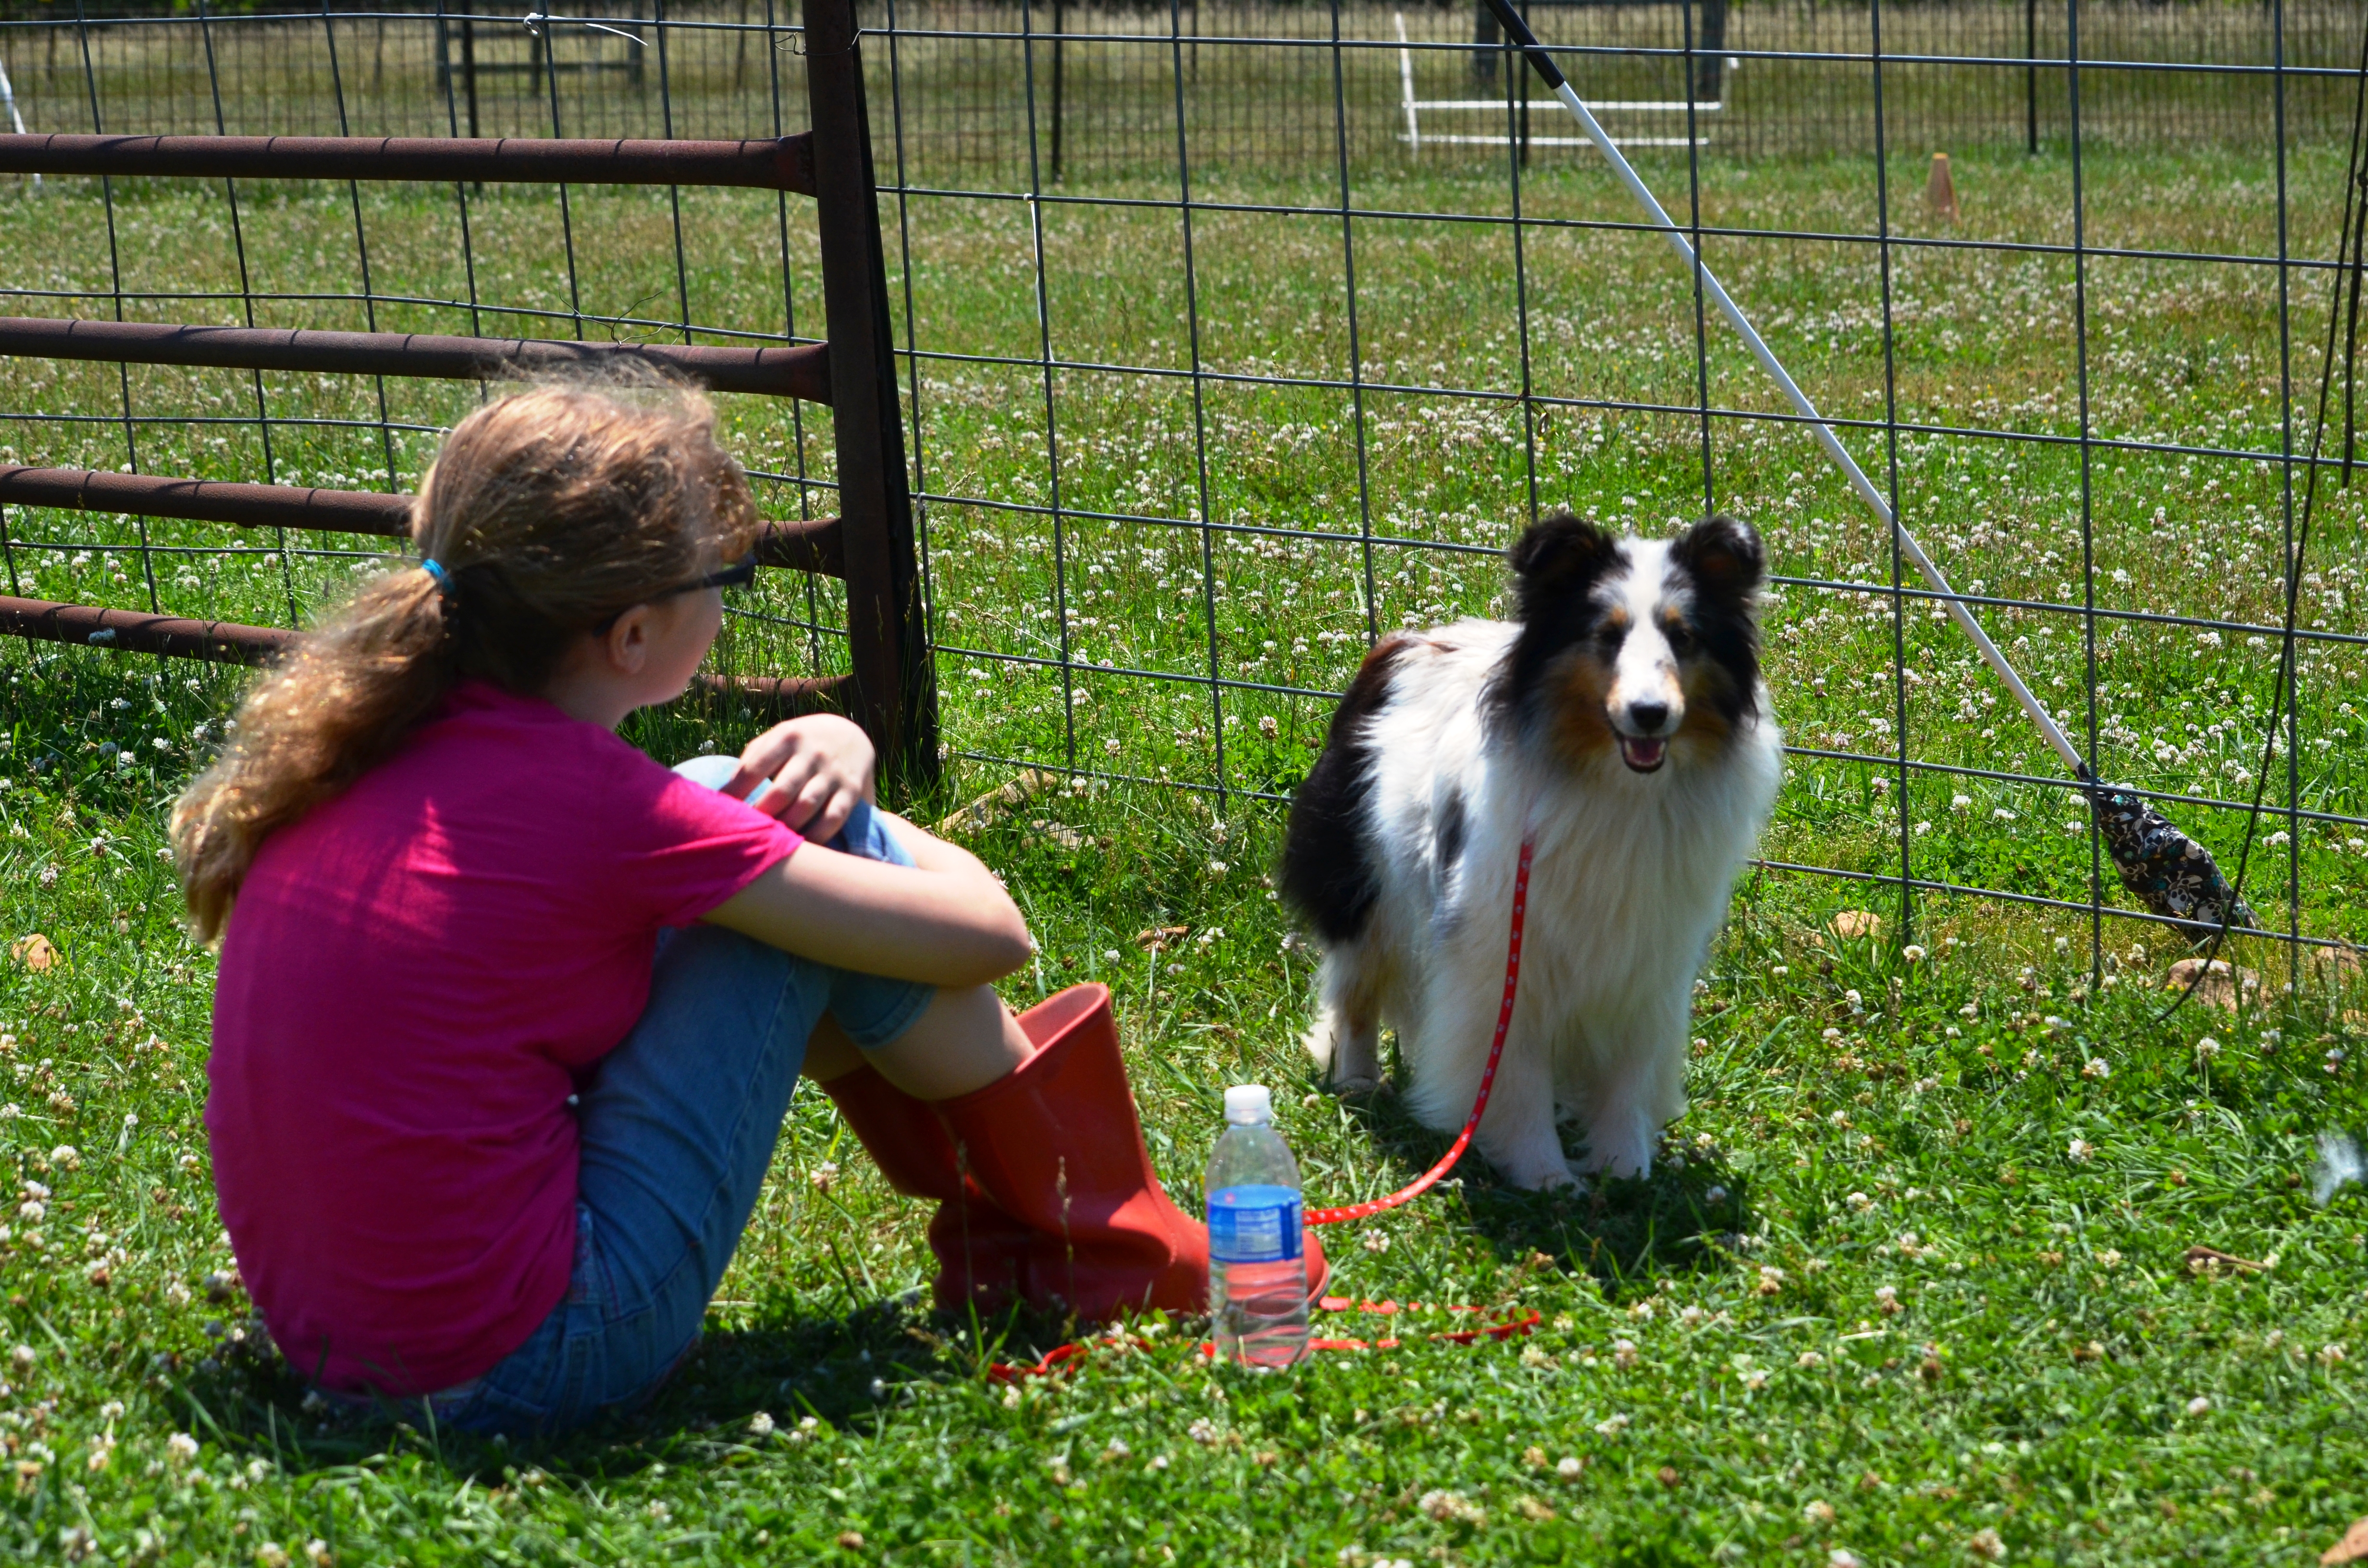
(2038, 1377)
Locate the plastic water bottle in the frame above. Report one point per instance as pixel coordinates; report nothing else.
(1258, 1263)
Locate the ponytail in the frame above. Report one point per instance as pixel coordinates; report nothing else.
(337, 707)
(544, 514)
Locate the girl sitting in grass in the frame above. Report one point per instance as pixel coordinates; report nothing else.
(508, 1014)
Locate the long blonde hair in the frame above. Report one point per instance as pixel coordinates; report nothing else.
(551, 510)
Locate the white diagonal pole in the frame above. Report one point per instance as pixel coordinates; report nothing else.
(1519, 31)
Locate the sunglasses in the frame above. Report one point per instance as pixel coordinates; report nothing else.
(737, 575)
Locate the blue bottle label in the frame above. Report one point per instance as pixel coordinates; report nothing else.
(1254, 1224)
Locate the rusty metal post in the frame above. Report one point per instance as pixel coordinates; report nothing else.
(894, 677)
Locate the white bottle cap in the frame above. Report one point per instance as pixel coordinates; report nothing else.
(1248, 1104)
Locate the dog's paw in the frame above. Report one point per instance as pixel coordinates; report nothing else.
(1540, 1176)
(1353, 1085)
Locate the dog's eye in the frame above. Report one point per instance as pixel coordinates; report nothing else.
(1681, 636)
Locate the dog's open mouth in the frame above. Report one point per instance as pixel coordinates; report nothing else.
(1642, 756)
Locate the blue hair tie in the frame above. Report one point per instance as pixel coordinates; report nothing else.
(435, 569)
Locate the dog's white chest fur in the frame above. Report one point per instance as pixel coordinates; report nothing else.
(1630, 876)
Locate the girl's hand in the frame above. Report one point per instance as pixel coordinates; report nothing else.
(820, 766)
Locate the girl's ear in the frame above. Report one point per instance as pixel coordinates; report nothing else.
(625, 646)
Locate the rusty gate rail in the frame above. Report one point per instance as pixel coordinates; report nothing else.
(812, 545)
(772, 163)
(803, 370)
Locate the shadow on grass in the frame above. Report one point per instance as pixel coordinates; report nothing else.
(1626, 1231)
(839, 1370)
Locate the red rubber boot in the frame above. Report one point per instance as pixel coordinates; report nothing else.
(982, 1251)
(1057, 1145)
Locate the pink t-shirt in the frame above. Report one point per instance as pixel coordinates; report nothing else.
(415, 976)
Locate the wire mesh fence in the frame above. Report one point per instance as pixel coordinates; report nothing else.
(1237, 335)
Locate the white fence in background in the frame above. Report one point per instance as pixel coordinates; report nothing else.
(1415, 137)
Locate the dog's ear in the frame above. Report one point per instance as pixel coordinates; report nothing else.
(1558, 557)
(1722, 556)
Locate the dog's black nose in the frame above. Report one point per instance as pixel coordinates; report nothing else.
(1649, 717)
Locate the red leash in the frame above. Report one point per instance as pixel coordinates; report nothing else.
(1514, 1322)
(1430, 1177)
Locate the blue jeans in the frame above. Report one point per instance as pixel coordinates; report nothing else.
(677, 1129)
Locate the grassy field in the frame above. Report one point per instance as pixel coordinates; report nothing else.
(1915, 1285)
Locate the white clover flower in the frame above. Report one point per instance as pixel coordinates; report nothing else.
(2206, 1049)
(1568, 1468)
(760, 1425)
(1859, 1201)
(1611, 1425)
(2095, 1068)
(2198, 1405)
(180, 1449)
(1818, 1512)
(1203, 1431)
(2079, 1150)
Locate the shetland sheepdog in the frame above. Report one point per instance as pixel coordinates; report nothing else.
(1621, 718)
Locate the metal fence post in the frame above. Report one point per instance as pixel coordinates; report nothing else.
(2030, 77)
(1709, 65)
(894, 696)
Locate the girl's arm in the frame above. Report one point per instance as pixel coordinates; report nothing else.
(944, 921)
